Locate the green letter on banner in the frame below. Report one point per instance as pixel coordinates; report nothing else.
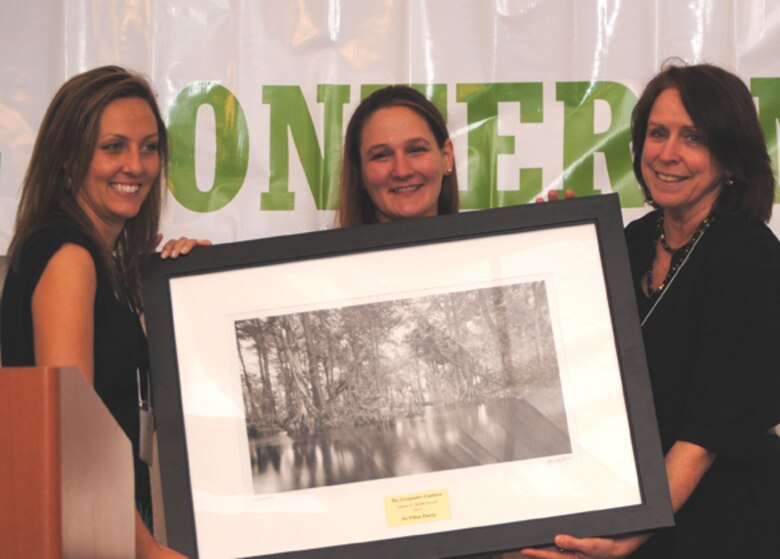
(768, 92)
(485, 145)
(289, 111)
(232, 141)
(580, 141)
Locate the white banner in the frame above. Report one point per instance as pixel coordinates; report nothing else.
(257, 93)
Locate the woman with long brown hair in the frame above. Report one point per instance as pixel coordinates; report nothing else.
(89, 212)
(398, 160)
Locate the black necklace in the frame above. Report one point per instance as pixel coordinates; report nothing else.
(679, 254)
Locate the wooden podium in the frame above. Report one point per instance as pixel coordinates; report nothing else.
(66, 469)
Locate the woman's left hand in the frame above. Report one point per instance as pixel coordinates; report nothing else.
(182, 245)
(569, 547)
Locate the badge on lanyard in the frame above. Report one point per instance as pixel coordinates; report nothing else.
(145, 421)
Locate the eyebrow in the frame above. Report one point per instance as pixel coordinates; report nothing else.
(683, 127)
(124, 137)
(416, 139)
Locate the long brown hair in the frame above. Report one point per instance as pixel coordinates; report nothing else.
(60, 161)
(722, 108)
(354, 205)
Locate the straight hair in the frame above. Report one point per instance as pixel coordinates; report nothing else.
(355, 207)
(722, 108)
(59, 164)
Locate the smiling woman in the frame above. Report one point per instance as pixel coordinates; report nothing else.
(124, 166)
(398, 163)
(402, 165)
(89, 211)
(398, 160)
(706, 270)
(677, 166)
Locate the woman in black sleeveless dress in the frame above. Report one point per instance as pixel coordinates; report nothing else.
(89, 210)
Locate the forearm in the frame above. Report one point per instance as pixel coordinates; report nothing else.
(686, 464)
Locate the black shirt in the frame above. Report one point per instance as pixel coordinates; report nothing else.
(120, 347)
(713, 350)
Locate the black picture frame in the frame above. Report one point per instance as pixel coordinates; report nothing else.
(561, 226)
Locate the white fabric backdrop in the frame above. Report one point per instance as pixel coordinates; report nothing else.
(241, 52)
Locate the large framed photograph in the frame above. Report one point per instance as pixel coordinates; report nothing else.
(430, 388)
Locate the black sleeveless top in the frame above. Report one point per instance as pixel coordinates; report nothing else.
(119, 342)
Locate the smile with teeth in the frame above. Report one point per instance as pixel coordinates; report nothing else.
(403, 189)
(669, 178)
(125, 188)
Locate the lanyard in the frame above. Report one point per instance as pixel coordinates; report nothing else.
(143, 404)
(671, 281)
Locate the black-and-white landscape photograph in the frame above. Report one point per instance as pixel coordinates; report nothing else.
(401, 387)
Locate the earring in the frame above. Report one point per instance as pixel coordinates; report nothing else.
(729, 180)
(68, 184)
(448, 172)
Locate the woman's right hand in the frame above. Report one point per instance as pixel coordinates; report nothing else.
(183, 245)
(569, 547)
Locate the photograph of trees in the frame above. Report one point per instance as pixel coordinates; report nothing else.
(401, 387)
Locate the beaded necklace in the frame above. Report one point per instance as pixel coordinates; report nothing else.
(679, 254)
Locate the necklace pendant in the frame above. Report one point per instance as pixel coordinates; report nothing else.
(679, 254)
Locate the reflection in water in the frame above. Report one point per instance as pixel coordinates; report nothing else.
(446, 437)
